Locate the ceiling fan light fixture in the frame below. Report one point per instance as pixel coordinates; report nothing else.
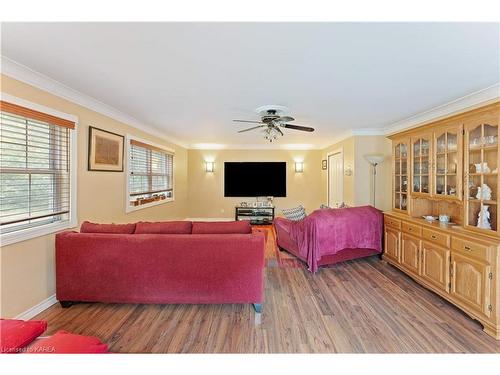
(272, 118)
(271, 133)
(279, 110)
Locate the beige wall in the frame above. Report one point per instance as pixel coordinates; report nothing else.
(27, 268)
(206, 190)
(358, 186)
(206, 195)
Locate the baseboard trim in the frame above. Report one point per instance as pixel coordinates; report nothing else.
(209, 219)
(37, 309)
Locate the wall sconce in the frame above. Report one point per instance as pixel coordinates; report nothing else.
(299, 167)
(209, 166)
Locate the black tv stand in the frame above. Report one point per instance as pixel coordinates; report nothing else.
(256, 215)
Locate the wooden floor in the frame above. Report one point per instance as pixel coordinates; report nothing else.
(361, 306)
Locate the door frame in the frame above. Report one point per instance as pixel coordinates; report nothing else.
(334, 152)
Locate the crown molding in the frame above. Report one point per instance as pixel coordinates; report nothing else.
(339, 138)
(468, 102)
(463, 104)
(237, 146)
(368, 131)
(27, 75)
(363, 132)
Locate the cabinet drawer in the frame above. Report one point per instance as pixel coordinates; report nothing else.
(436, 237)
(411, 228)
(470, 248)
(395, 223)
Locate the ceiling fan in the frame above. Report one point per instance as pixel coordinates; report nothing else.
(272, 119)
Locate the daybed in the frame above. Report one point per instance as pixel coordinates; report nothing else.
(328, 236)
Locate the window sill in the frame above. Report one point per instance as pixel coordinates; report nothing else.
(30, 233)
(129, 208)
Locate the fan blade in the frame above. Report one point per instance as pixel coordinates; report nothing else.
(252, 122)
(298, 127)
(255, 127)
(285, 119)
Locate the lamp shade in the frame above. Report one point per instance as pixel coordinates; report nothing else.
(375, 159)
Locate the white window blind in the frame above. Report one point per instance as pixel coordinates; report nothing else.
(34, 168)
(151, 174)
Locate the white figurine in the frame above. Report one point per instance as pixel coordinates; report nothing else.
(478, 195)
(483, 218)
(484, 192)
(482, 168)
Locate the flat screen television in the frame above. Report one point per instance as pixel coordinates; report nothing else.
(254, 179)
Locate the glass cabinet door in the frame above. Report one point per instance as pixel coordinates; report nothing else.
(481, 162)
(448, 156)
(421, 165)
(400, 187)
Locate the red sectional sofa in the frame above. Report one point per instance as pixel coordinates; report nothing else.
(170, 262)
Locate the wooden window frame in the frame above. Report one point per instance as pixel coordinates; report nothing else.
(147, 144)
(45, 229)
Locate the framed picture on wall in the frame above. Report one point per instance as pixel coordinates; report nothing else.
(105, 151)
(323, 164)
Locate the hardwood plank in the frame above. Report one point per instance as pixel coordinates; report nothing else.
(359, 306)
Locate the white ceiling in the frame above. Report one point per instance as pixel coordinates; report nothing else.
(189, 80)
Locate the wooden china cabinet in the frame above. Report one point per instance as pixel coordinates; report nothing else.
(400, 175)
(421, 158)
(449, 167)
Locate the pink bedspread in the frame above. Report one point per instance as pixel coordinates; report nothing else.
(329, 231)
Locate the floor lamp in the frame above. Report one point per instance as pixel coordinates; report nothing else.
(374, 160)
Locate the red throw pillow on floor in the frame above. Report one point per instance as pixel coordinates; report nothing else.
(16, 334)
(88, 227)
(163, 227)
(222, 227)
(64, 342)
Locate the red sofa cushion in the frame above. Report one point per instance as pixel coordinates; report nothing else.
(64, 342)
(88, 227)
(164, 227)
(222, 227)
(16, 334)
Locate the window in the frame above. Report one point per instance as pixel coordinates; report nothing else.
(35, 171)
(150, 177)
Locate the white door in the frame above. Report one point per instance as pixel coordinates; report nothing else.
(335, 180)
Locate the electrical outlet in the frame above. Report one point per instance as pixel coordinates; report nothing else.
(222, 211)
